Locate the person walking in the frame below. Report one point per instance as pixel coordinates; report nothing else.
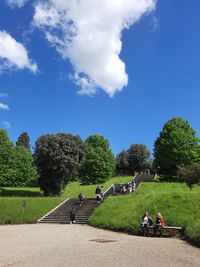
(72, 215)
(113, 189)
(81, 197)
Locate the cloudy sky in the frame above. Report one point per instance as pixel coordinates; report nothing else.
(119, 68)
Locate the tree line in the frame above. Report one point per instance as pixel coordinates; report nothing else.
(60, 158)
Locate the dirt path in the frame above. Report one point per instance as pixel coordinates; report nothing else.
(71, 245)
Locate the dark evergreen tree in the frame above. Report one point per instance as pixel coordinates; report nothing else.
(23, 140)
(100, 162)
(58, 158)
(176, 145)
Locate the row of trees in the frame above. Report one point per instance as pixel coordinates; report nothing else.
(61, 158)
(176, 154)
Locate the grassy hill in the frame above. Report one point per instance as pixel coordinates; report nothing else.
(11, 200)
(179, 206)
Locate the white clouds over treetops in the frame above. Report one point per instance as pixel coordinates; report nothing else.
(13, 54)
(4, 106)
(16, 3)
(88, 33)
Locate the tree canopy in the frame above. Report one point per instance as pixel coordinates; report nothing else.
(7, 158)
(176, 145)
(23, 140)
(58, 158)
(100, 162)
(139, 157)
(122, 162)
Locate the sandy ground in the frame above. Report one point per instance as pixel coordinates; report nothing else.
(70, 245)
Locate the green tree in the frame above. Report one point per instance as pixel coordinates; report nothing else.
(25, 169)
(23, 140)
(58, 158)
(176, 145)
(7, 158)
(139, 157)
(189, 174)
(122, 162)
(100, 162)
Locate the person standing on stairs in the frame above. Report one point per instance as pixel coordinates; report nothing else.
(72, 215)
(81, 197)
(113, 189)
(102, 192)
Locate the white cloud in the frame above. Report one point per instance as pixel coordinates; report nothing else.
(13, 54)
(88, 33)
(16, 3)
(6, 124)
(4, 106)
(3, 95)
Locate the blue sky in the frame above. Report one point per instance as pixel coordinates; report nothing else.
(160, 78)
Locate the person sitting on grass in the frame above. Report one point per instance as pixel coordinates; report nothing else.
(72, 215)
(146, 221)
(159, 225)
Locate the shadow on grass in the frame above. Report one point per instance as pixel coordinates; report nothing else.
(18, 193)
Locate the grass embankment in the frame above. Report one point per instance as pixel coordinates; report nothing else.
(36, 205)
(178, 205)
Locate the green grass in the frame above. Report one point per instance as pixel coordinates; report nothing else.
(36, 205)
(178, 205)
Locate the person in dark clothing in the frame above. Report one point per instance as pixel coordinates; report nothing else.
(81, 197)
(98, 190)
(159, 225)
(72, 215)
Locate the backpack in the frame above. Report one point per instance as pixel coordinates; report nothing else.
(150, 222)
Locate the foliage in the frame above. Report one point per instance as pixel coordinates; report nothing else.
(100, 162)
(139, 157)
(189, 174)
(176, 145)
(7, 158)
(23, 140)
(25, 169)
(122, 162)
(124, 212)
(58, 158)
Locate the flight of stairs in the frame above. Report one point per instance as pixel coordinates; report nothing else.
(61, 214)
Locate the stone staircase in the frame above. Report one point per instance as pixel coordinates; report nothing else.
(61, 213)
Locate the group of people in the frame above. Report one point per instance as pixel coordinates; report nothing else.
(127, 187)
(147, 221)
(99, 193)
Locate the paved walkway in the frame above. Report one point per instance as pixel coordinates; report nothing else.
(45, 245)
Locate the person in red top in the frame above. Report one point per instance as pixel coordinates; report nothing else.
(159, 225)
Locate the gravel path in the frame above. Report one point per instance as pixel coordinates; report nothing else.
(45, 245)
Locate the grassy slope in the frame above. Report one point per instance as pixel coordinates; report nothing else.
(178, 205)
(36, 206)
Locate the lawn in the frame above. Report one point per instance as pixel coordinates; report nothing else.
(12, 199)
(177, 203)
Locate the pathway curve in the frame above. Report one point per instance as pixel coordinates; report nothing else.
(56, 245)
